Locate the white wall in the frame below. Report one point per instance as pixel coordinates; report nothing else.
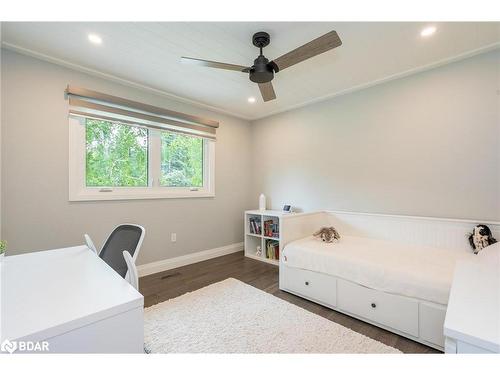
(36, 213)
(424, 145)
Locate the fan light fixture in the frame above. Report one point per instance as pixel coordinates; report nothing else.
(428, 31)
(94, 38)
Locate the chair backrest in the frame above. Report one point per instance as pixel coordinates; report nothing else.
(125, 237)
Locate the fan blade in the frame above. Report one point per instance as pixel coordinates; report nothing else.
(213, 64)
(267, 91)
(315, 47)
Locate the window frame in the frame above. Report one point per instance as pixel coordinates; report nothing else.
(78, 191)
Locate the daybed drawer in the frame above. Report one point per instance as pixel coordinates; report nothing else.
(313, 285)
(397, 312)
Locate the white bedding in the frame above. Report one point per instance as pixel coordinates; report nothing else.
(413, 271)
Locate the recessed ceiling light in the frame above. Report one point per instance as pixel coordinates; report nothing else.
(94, 38)
(428, 31)
(251, 99)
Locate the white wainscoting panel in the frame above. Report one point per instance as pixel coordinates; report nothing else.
(424, 231)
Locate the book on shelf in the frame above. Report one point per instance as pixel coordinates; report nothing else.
(254, 225)
(275, 230)
(271, 229)
(273, 250)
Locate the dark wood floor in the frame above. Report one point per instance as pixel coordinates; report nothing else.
(169, 284)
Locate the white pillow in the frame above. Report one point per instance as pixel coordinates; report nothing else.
(492, 251)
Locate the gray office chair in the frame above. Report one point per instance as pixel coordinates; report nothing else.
(121, 250)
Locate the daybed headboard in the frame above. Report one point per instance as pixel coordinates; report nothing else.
(426, 231)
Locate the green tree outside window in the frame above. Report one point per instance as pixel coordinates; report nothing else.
(181, 160)
(117, 154)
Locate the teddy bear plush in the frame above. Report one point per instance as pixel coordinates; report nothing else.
(327, 234)
(480, 238)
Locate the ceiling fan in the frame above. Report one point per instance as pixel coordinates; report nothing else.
(262, 71)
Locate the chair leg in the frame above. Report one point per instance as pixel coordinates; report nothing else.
(132, 276)
(90, 244)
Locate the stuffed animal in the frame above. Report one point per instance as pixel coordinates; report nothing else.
(480, 238)
(327, 234)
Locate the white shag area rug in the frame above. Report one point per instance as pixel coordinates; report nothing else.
(233, 317)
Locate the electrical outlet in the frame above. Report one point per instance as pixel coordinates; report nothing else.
(173, 237)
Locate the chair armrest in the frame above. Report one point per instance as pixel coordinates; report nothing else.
(131, 276)
(90, 244)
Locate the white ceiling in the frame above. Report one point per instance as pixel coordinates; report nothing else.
(149, 54)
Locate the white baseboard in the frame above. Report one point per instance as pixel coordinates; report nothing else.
(168, 264)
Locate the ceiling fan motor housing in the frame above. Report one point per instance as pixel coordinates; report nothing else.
(261, 71)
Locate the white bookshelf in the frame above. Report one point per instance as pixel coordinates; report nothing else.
(252, 240)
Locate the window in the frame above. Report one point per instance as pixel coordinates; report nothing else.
(181, 160)
(116, 154)
(114, 160)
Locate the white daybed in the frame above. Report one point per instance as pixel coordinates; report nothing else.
(391, 271)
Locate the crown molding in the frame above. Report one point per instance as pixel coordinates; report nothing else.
(111, 77)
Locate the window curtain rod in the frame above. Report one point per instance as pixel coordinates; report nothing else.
(85, 95)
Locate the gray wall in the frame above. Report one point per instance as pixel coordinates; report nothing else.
(425, 145)
(36, 213)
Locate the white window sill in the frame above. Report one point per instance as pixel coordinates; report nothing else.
(116, 194)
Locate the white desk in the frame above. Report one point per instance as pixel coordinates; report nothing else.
(72, 299)
(472, 323)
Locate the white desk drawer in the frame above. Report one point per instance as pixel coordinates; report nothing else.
(313, 285)
(394, 311)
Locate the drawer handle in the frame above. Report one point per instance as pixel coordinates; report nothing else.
(374, 305)
(307, 282)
